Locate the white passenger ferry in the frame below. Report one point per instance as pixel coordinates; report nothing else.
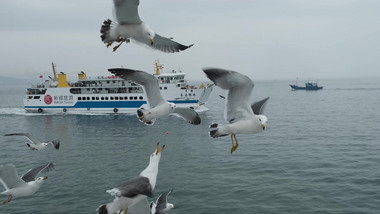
(111, 94)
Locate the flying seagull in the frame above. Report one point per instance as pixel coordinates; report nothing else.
(36, 144)
(129, 26)
(161, 206)
(158, 106)
(243, 118)
(25, 185)
(133, 191)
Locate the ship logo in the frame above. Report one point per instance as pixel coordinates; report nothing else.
(48, 99)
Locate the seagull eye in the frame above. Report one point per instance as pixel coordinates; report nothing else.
(259, 119)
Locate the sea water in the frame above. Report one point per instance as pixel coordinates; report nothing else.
(320, 153)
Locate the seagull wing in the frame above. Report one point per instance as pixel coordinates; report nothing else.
(9, 177)
(126, 11)
(161, 202)
(188, 114)
(166, 45)
(147, 81)
(134, 187)
(30, 137)
(239, 92)
(55, 143)
(258, 107)
(32, 173)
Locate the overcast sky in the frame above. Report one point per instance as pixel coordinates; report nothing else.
(264, 39)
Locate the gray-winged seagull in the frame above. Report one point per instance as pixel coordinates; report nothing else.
(129, 26)
(161, 206)
(25, 185)
(158, 106)
(36, 144)
(133, 191)
(243, 117)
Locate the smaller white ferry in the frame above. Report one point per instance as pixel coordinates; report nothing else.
(111, 94)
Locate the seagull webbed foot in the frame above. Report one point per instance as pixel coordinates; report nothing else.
(8, 200)
(121, 42)
(115, 40)
(234, 147)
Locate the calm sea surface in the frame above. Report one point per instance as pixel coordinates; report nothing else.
(319, 154)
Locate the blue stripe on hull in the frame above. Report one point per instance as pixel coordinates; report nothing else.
(112, 104)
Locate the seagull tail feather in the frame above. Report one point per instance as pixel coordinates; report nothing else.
(215, 133)
(214, 125)
(102, 209)
(105, 31)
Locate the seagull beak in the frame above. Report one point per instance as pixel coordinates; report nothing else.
(151, 41)
(44, 178)
(263, 125)
(159, 150)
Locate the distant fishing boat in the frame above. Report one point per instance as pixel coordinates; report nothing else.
(309, 86)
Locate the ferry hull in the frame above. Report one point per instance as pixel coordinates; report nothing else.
(55, 102)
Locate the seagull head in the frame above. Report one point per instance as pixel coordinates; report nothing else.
(45, 144)
(156, 155)
(151, 34)
(40, 180)
(169, 206)
(263, 120)
(172, 106)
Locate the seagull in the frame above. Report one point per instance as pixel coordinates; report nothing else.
(158, 106)
(25, 185)
(129, 27)
(242, 117)
(36, 144)
(161, 206)
(135, 190)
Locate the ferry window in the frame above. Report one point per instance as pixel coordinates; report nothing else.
(178, 85)
(189, 94)
(194, 94)
(36, 97)
(79, 98)
(165, 88)
(108, 81)
(97, 98)
(88, 98)
(191, 90)
(111, 98)
(88, 89)
(171, 78)
(113, 81)
(102, 98)
(121, 98)
(135, 98)
(30, 97)
(181, 95)
(186, 95)
(83, 98)
(116, 98)
(131, 98)
(106, 98)
(160, 88)
(125, 98)
(141, 97)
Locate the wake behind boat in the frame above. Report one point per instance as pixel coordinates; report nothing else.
(111, 94)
